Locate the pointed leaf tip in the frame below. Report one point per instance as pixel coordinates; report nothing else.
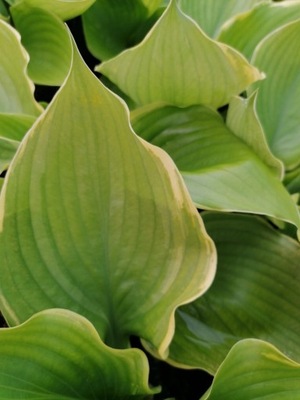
(178, 64)
(102, 221)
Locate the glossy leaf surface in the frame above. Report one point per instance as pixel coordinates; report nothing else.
(256, 370)
(256, 294)
(221, 171)
(279, 94)
(96, 220)
(58, 355)
(178, 64)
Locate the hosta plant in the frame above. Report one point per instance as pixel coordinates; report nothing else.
(149, 212)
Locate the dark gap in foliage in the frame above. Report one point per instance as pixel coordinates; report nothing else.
(75, 26)
(176, 383)
(3, 323)
(44, 93)
(2, 175)
(223, 111)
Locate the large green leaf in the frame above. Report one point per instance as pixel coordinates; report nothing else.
(257, 23)
(256, 370)
(96, 220)
(47, 41)
(64, 9)
(243, 121)
(279, 94)
(13, 64)
(221, 171)
(58, 355)
(256, 294)
(110, 26)
(211, 14)
(178, 64)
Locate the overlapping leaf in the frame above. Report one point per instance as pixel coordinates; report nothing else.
(221, 171)
(279, 94)
(256, 294)
(112, 26)
(212, 14)
(18, 108)
(3, 11)
(292, 180)
(255, 370)
(47, 41)
(58, 354)
(12, 129)
(178, 64)
(63, 9)
(95, 220)
(245, 31)
(243, 121)
(13, 75)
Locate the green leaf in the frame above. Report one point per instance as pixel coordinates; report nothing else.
(8, 149)
(47, 41)
(249, 296)
(243, 121)
(63, 9)
(13, 75)
(178, 64)
(152, 5)
(96, 220)
(14, 126)
(257, 23)
(279, 94)
(12, 129)
(112, 26)
(211, 14)
(255, 370)
(292, 180)
(3, 11)
(58, 355)
(220, 170)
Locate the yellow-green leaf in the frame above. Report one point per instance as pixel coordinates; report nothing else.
(178, 64)
(13, 64)
(96, 220)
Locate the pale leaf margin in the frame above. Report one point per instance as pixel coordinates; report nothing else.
(162, 340)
